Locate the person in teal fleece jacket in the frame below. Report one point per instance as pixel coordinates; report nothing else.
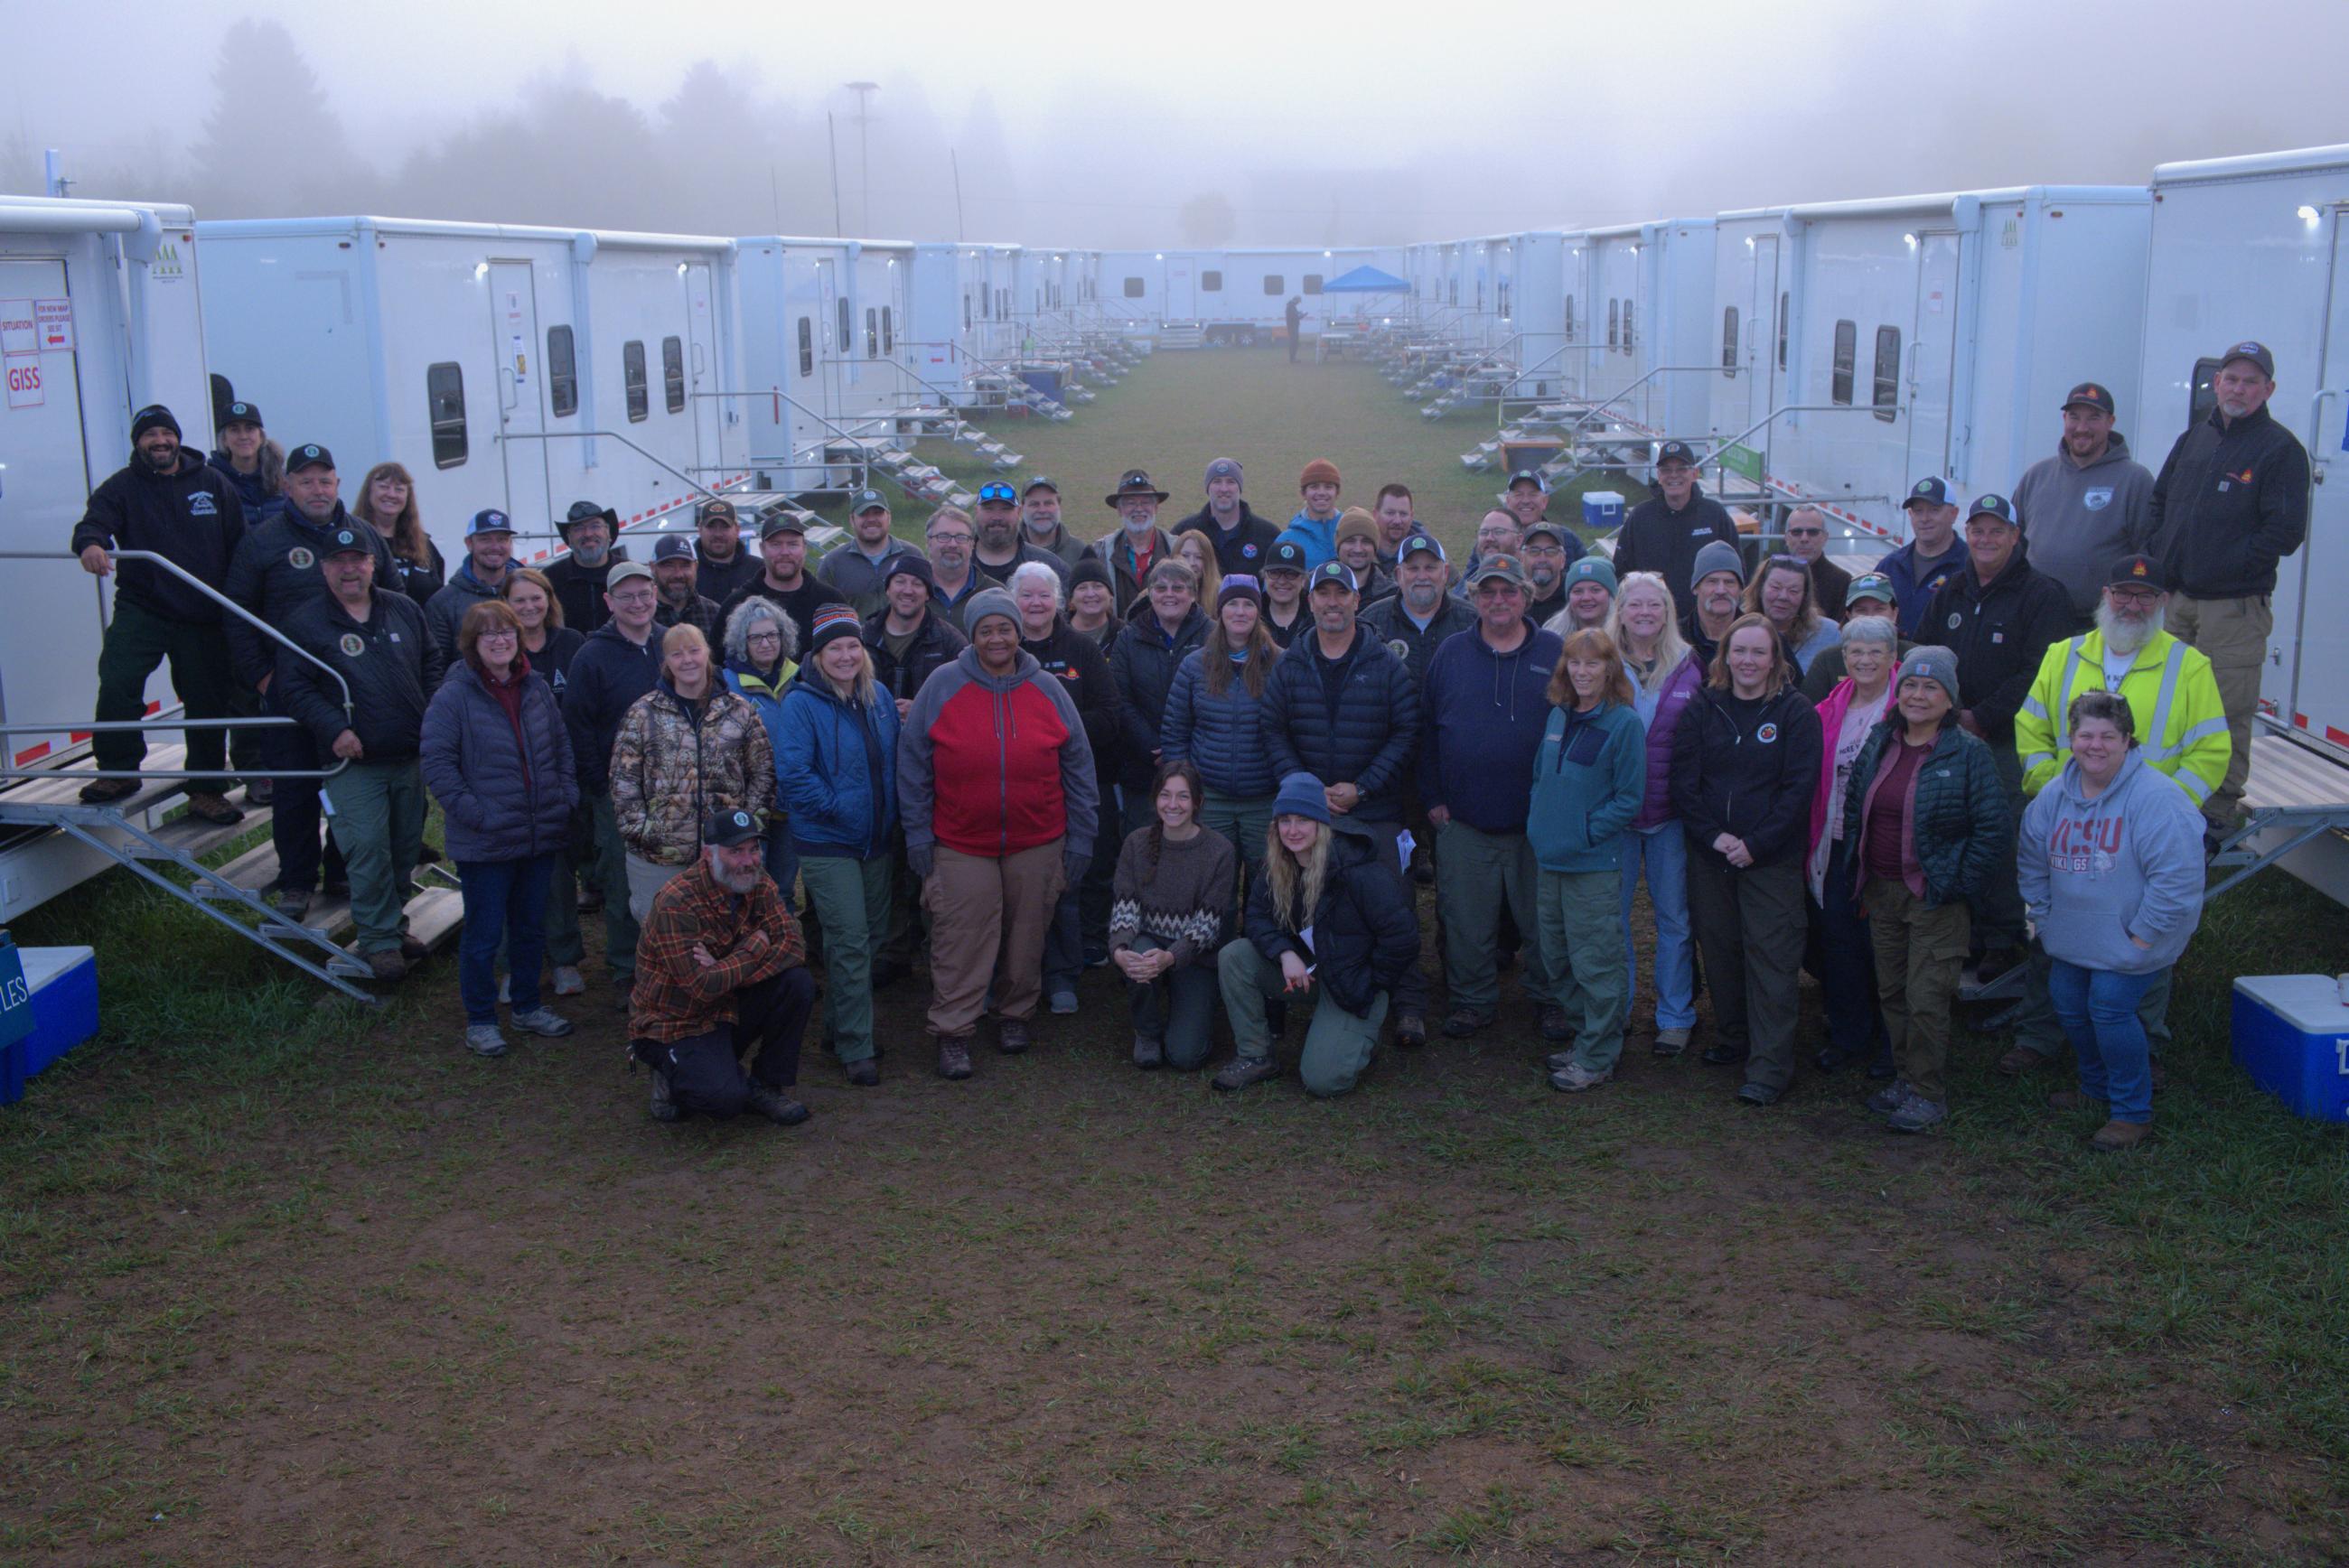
(1591, 778)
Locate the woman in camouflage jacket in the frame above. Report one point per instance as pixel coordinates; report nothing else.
(685, 749)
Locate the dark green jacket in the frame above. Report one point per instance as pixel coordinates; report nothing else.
(1957, 816)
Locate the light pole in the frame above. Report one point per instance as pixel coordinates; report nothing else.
(864, 92)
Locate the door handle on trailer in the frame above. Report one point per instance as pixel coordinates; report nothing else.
(2317, 450)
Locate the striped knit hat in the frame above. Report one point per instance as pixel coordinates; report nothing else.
(831, 621)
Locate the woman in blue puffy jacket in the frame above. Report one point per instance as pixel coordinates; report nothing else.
(1215, 719)
(836, 762)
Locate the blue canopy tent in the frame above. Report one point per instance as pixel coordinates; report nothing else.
(1365, 279)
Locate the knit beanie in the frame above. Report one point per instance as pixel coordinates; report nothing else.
(831, 622)
(1239, 585)
(155, 417)
(1354, 523)
(1933, 664)
(1301, 794)
(1595, 569)
(1320, 471)
(1090, 568)
(1718, 556)
(989, 601)
(1226, 468)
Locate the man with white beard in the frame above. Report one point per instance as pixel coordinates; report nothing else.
(2181, 728)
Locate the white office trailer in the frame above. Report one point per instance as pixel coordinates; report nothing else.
(1650, 287)
(521, 369)
(800, 302)
(1231, 296)
(1922, 335)
(2256, 248)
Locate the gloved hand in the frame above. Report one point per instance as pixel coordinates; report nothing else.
(919, 857)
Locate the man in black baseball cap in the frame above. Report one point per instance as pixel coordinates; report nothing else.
(676, 569)
(1934, 553)
(1664, 533)
(784, 581)
(722, 566)
(2088, 503)
(721, 968)
(1039, 522)
(2231, 503)
(579, 574)
(1285, 615)
(998, 550)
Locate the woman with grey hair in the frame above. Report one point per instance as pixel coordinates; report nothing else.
(761, 643)
(1839, 951)
(1079, 934)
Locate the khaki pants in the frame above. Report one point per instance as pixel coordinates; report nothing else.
(2232, 633)
(1919, 954)
(988, 921)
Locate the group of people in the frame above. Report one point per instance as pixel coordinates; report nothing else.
(1222, 759)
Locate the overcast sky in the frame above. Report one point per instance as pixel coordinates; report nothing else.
(1445, 119)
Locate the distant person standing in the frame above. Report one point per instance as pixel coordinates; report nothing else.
(1315, 525)
(1806, 541)
(1664, 533)
(784, 581)
(1133, 548)
(618, 663)
(2085, 507)
(1294, 314)
(674, 570)
(2231, 503)
(1040, 526)
(859, 567)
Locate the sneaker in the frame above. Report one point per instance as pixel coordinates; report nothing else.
(2019, 1061)
(1462, 1022)
(568, 981)
(1411, 1028)
(388, 963)
(1574, 1077)
(1758, 1094)
(1149, 1054)
(1242, 1071)
(1916, 1113)
(865, 1074)
(212, 807)
(954, 1056)
(1064, 1003)
(1886, 1100)
(1557, 1061)
(2116, 1136)
(259, 792)
(1554, 1023)
(765, 1100)
(664, 1106)
(543, 1020)
(1670, 1042)
(483, 1040)
(1011, 1036)
(105, 791)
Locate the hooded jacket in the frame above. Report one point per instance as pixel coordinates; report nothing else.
(1365, 937)
(387, 660)
(607, 675)
(1243, 548)
(1316, 536)
(765, 698)
(1481, 720)
(1407, 640)
(276, 572)
(1654, 538)
(2231, 503)
(673, 764)
(1955, 819)
(1143, 661)
(445, 612)
(936, 642)
(1222, 737)
(1591, 778)
(192, 517)
(992, 765)
(2126, 864)
(1362, 734)
(838, 766)
(2000, 629)
(2082, 517)
(506, 788)
(1748, 768)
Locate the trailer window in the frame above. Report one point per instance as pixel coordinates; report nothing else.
(888, 332)
(1134, 288)
(807, 349)
(2204, 394)
(1887, 398)
(562, 371)
(846, 340)
(1729, 341)
(1569, 318)
(444, 402)
(872, 333)
(1275, 285)
(1847, 352)
(673, 373)
(1313, 283)
(1613, 326)
(631, 380)
(1786, 303)
(1211, 283)
(966, 309)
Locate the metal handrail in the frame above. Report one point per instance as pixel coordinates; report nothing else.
(9, 727)
(658, 462)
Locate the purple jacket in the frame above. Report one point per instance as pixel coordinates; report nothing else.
(1661, 713)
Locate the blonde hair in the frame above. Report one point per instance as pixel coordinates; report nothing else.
(1205, 569)
(1671, 646)
(681, 635)
(1291, 880)
(860, 688)
(1590, 643)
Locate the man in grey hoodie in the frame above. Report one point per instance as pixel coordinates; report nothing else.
(2088, 505)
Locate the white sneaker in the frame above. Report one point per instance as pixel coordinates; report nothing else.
(568, 981)
(483, 1040)
(544, 1021)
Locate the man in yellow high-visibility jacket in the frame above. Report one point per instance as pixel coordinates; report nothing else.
(2180, 731)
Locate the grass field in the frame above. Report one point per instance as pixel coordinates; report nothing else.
(287, 1282)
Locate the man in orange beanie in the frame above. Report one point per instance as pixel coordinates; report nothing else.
(1315, 528)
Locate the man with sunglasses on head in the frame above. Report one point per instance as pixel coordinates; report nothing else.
(1001, 550)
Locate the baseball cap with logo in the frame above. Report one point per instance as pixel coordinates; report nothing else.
(1225, 469)
(728, 828)
(1336, 571)
(1996, 505)
(2257, 353)
(2134, 571)
(673, 547)
(1414, 542)
(868, 500)
(716, 509)
(1498, 568)
(1873, 585)
(1675, 452)
(312, 456)
(1036, 482)
(780, 518)
(1931, 490)
(489, 519)
(243, 414)
(2089, 395)
(1529, 477)
(1287, 555)
(347, 541)
(996, 490)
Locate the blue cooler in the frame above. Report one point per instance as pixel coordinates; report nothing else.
(2292, 1035)
(1602, 508)
(59, 991)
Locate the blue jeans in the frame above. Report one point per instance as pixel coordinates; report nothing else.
(2097, 1009)
(1662, 855)
(505, 901)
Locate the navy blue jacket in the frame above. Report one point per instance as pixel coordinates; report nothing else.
(1365, 937)
(1392, 625)
(1365, 737)
(387, 663)
(1222, 737)
(837, 770)
(1482, 718)
(190, 517)
(274, 572)
(504, 796)
(1143, 661)
(607, 675)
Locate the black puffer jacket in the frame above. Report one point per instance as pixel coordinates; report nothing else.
(389, 661)
(1367, 738)
(1955, 815)
(2231, 502)
(1748, 768)
(1365, 938)
(190, 517)
(1084, 669)
(1143, 660)
(276, 572)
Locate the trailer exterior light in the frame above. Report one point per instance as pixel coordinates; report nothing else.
(1910, 241)
(2308, 216)
(480, 272)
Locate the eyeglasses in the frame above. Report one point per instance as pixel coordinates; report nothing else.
(1812, 532)
(499, 635)
(768, 636)
(950, 539)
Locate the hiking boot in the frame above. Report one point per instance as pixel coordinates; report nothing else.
(388, 963)
(2019, 1061)
(1669, 1042)
(212, 807)
(259, 792)
(1411, 1028)
(664, 1107)
(1462, 1022)
(1758, 1094)
(2115, 1136)
(412, 950)
(765, 1100)
(483, 1040)
(865, 1074)
(1064, 1003)
(1554, 1023)
(954, 1056)
(2073, 1099)
(1725, 1056)
(543, 1020)
(1574, 1077)
(568, 981)
(1242, 1071)
(293, 903)
(1915, 1114)
(1011, 1036)
(1886, 1100)
(1149, 1054)
(105, 791)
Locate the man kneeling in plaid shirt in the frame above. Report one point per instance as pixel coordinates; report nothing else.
(717, 970)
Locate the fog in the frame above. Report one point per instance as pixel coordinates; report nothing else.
(1198, 123)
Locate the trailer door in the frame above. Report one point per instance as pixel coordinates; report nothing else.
(49, 637)
(522, 412)
(1181, 290)
(827, 289)
(1762, 341)
(701, 366)
(2312, 647)
(1930, 353)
